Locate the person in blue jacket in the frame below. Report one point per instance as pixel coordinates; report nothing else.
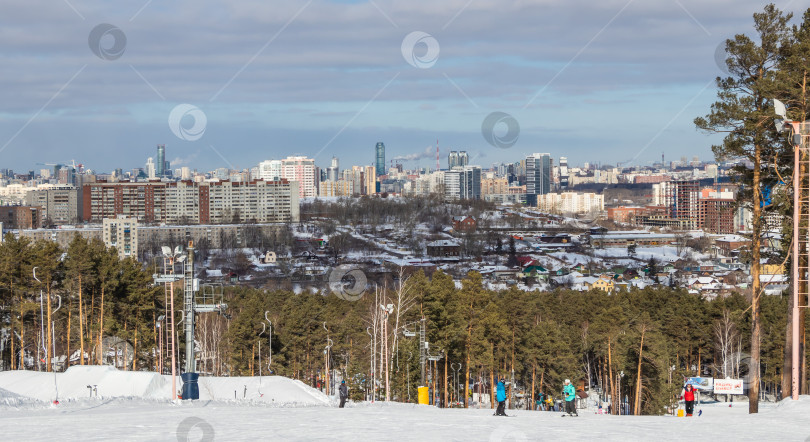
(500, 396)
(570, 395)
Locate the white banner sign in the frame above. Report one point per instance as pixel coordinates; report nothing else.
(728, 386)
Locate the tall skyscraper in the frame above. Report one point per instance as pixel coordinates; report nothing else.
(333, 171)
(150, 168)
(563, 172)
(160, 164)
(457, 159)
(380, 164)
(538, 176)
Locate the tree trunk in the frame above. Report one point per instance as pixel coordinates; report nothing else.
(531, 397)
(613, 395)
(135, 350)
(637, 404)
(101, 330)
(467, 381)
(67, 339)
(49, 339)
(124, 361)
(22, 336)
(81, 326)
(492, 387)
(756, 325)
(13, 362)
(445, 381)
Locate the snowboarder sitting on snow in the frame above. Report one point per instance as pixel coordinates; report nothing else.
(500, 396)
(570, 396)
(689, 399)
(344, 393)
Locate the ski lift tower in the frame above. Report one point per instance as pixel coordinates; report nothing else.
(168, 278)
(189, 287)
(801, 227)
(208, 302)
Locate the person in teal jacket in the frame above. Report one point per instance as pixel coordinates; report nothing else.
(570, 395)
(500, 396)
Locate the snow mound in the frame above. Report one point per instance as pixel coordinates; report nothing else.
(83, 382)
(267, 389)
(77, 382)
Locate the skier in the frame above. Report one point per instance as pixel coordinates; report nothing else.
(500, 396)
(689, 399)
(570, 395)
(344, 393)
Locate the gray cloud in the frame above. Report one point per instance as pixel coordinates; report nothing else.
(334, 57)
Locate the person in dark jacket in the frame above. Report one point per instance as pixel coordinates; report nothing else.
(344, 393)
(689, 399)
(500, 396)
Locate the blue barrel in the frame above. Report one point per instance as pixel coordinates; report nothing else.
(191, 390)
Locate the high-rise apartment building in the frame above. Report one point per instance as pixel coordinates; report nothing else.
(60, 204)
(187, 202)
(462, 183)
(563, 172)
(380, 158)
(457, 159)
(538, 176)
(150, 168)
(333, 171)
(160, 166)
(270, 170)
(301, 170)
(122, 233)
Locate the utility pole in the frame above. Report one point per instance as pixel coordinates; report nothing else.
(422, 352)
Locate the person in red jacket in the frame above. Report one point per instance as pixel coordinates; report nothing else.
(689, 398)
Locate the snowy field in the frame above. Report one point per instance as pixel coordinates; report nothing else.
(297, 412)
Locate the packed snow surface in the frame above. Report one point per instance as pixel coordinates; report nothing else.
(136, 406)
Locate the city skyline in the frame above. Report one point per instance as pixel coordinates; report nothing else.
(295, 79)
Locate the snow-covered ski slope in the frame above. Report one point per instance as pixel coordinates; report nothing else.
(130, 407)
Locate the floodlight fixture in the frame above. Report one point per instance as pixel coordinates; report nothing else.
(780, 109)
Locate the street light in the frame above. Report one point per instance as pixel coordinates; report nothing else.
(784, 125)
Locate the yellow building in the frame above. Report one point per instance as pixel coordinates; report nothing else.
(604, 283)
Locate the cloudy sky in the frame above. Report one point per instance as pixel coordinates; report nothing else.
(609, 81)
